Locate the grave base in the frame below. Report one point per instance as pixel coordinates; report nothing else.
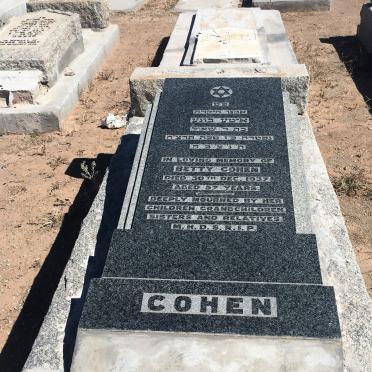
(52, 107)
(157, 351)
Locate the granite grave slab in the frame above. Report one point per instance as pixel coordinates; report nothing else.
(217, 170)
(93, 13)
(207, 240)
(212, 307)
(46, 41)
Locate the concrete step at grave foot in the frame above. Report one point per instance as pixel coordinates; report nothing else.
(225, 256)
(150, 318)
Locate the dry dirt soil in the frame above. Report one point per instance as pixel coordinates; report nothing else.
(45, 194)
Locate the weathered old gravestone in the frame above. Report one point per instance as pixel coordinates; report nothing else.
(93, 13)
(214, 239)
(11, 8)
(46, 41)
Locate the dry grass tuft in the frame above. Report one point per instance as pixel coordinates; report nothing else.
(351, 183)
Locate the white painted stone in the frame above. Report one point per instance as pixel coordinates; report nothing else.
(193, 5)
(117, 351)
(125, 5)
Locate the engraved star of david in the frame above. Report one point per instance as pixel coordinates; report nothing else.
(221, 92)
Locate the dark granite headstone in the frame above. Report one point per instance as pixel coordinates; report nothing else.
(211, 209)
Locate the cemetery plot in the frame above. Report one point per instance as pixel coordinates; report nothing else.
(211, 206)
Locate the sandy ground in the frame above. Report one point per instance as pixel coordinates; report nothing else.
(44, 195)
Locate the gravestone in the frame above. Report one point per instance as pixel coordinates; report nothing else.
(93, 13)
(11, 8)
(46, 41)
(209, 241)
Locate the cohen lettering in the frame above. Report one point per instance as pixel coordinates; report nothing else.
(199, 304)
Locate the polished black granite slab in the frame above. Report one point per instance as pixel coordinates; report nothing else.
(226, 153)
(223, 213)
(211, 307)
(200, 255)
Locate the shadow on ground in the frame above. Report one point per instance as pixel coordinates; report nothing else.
(26, 328)
(357, 63)
(160, 51)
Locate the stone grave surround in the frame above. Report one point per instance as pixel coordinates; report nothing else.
(224, 43)
(46, 41)
(214, 245)
(11, 8)
(365, 28)
(93, 13)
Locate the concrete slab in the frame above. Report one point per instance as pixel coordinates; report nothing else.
(125, 5)
(52, 107)
(11, 8)
(194, 5)
(293, 5)
(97, 351)
(93, 13)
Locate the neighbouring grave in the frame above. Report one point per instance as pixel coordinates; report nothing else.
(93, 13)
(46, 60)
(46, 41)
(11, 8)
(224, 43)
(365, 27)
(213, 241)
